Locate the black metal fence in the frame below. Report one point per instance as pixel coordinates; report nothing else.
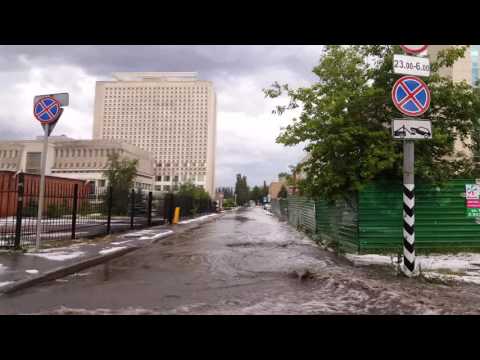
(71, 212)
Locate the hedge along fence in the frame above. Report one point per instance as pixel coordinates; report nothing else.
(372, 221)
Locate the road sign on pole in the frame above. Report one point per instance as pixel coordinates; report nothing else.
(41, 194)
(62, 98)
(411, 96)
(408, 129)
(411, 65)
(47, 110)
(414, 49)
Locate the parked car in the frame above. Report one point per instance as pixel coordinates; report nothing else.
(421, 131)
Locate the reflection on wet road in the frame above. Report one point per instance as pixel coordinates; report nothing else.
(245, 262)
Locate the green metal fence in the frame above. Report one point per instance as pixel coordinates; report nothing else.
(301, 214)
(280, 208)
(372, 221)
(337, 222)
(440, 217)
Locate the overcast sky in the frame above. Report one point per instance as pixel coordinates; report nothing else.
(246, 128)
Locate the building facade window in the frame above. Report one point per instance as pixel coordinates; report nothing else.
(475, 53)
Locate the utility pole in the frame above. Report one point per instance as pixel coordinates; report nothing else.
(411, 97)
(41, 192)
(47, 109)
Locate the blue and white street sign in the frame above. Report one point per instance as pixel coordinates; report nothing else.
(411, 96)
(47, 110)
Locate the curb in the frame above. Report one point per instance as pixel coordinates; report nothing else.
(63, 271)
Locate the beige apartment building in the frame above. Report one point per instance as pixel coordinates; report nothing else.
(75, 159)
(460, 71)
(465, 69)
(170, 115)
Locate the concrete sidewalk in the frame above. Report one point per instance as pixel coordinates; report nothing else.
(19, 270)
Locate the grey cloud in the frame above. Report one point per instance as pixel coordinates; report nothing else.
(238, 72)
(209, 60)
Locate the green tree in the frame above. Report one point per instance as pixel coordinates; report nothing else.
(256, 194)
(120, 174)
(286, 176)
(283, 192)
(198, 195)
(196, 192)
(346, 117)
(242, 190)
(228, 204)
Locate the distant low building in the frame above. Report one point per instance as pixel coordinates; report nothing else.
(274, 189)
(75, 159)
(219, 197)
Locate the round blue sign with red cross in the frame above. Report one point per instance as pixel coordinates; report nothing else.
(411, 96)
(47, 110)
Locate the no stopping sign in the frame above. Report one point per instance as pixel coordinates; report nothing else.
(411, 96)
(47, 110)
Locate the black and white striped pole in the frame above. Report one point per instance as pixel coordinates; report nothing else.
(411, 97)
(408, 209)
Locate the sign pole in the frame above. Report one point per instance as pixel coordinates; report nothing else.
(47, 109)
(408, 208)
(41, 195)
(411, 97)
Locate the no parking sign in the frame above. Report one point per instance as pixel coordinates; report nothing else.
(47, 110)
(411, 96)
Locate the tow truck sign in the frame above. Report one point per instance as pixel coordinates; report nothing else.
(407, 129)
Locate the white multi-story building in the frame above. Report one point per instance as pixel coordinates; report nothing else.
(170, 115)
(75, 159)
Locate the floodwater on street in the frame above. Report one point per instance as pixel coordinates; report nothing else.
(244, 262)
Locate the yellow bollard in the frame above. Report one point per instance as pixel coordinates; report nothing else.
(176, 216)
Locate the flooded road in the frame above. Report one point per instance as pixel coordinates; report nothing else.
(245, 262)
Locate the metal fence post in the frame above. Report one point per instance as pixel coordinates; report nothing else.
(149, 209)
(132, 208)
(74, 210)
(170, 208)
(167, 207)
(109, 209)
(20, 194)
